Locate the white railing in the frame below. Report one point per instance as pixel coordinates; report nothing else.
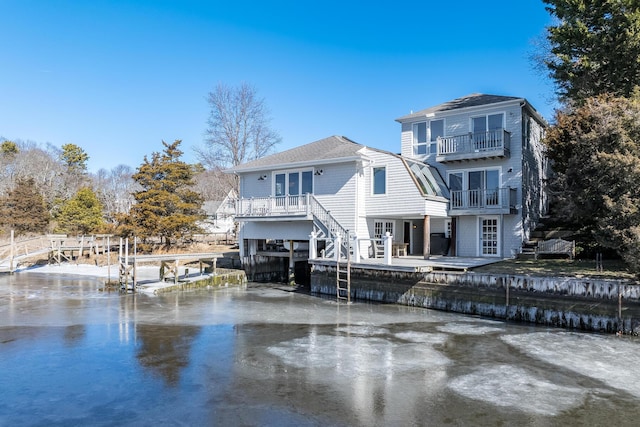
(273, 205)
(497, 198)
(492, 140)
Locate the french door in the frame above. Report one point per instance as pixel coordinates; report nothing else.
(489, 236)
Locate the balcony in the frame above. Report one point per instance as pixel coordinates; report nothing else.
(275, 208)
(484, 201)
(474, 146)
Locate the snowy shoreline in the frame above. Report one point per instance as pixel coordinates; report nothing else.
(143, 272)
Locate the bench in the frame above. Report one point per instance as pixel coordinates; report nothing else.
(556, 247)
(399, 249)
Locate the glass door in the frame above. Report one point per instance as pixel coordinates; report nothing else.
(489, 237)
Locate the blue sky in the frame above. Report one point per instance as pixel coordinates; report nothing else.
(118, 77)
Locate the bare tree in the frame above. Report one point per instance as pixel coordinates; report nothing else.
(238, 128)
(213, 184)
(115, 189)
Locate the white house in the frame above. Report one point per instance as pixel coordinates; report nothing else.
(335, 186)
(220, 214)
(489, 150)
(469, 182)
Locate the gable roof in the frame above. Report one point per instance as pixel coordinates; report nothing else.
(323, 151)
(472, 100)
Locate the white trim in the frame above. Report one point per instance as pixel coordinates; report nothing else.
(302, 164)
(465, 175)
(486, 119)
(286, 173)
(469, 110)
(386, 179)
(384, 223)
(498, 241)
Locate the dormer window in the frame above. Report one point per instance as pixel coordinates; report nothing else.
(425, 136)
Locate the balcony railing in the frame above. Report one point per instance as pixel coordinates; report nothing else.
(487, 199)
(493, 143)
(273, 206)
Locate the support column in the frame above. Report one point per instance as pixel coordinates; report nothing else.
(453, 236)
(292, 265)
(313, 245)
(426, 246)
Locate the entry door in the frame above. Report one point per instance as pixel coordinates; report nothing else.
(407, 236)
(489, 236)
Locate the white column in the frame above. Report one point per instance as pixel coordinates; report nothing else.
(387, 240)
(337, 244)
(356, 249)
(313, 245)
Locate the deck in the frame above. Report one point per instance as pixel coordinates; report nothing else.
(417, 264)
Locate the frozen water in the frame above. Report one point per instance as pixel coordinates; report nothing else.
(469, 329)
(71, 354)
(609, 359)
(517, 389)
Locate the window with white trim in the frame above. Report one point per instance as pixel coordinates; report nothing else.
(425, 136)
(293, 183)
(379, 180)
(381, 227)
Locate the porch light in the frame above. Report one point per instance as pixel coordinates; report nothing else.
(262, 177)
(318, 172)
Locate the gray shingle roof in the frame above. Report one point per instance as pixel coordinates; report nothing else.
(473, 100)
(333, 147)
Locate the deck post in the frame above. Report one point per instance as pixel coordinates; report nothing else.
(356, 249)
(387, 240)
(313, 245)
(11, 254)
(426, 247)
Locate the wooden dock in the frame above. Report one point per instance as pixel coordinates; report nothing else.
(57, 248)
(169, 264)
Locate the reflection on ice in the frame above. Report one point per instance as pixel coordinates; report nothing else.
(612, 360)
(356, 356)
(517, 389)
(363, 330)
(468, 329)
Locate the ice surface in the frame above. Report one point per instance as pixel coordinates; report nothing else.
(517, 389)
(469, 329)
(609, 359)
(356, 356)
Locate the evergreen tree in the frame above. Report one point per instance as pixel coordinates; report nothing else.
(82, 214)
(595, 150)
(594, 47)
(166, 207)
(23, 209)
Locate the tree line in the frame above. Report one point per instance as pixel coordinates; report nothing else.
(48, 189)
(592, 55)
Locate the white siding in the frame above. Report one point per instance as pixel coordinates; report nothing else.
(523, 170)
(402, 197)
(252, 186)
(336, 190)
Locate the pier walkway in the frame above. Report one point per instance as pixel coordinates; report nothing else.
(169, 266)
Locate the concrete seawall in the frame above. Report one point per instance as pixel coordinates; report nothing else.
(597, 305)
